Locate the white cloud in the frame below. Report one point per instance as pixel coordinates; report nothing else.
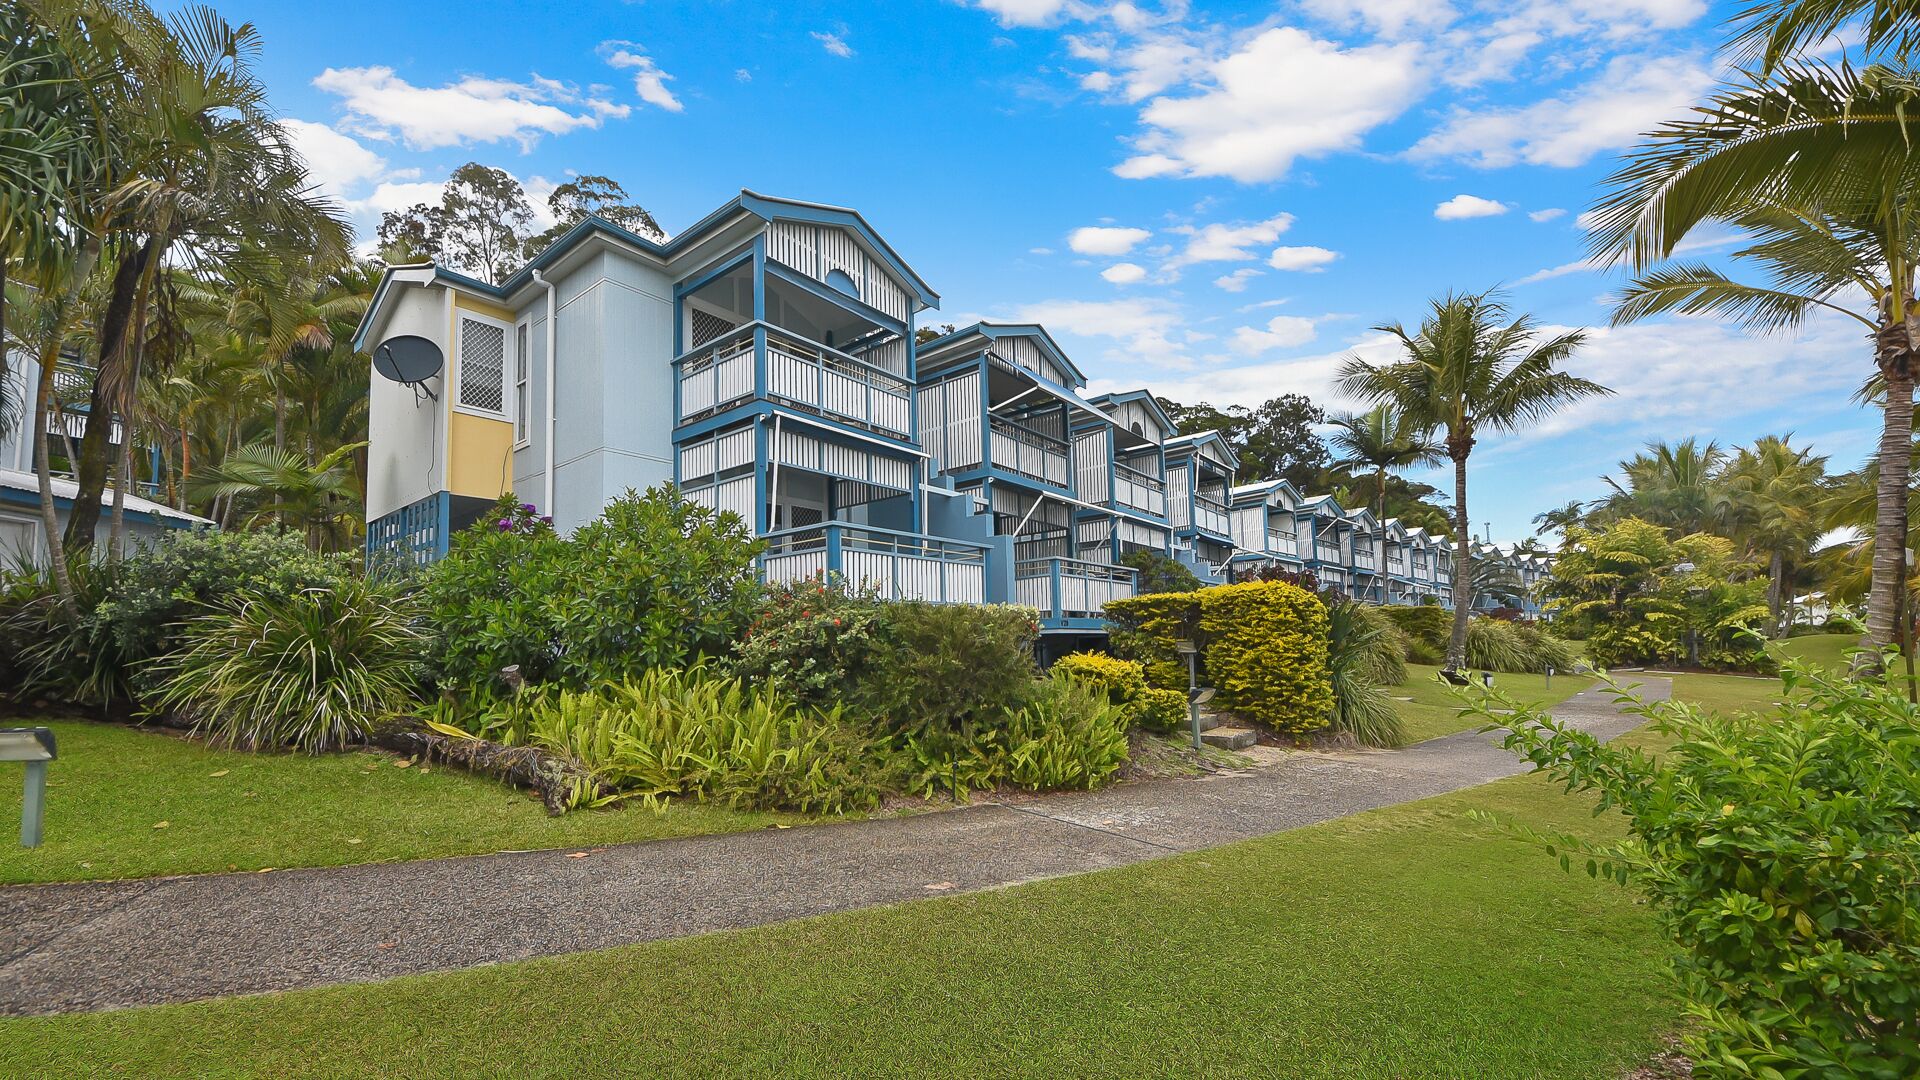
(1282, 332)
(1390, 18)
(1040, 251)
(1145, 326)
(1546, 215)
(1632, 96)
(1105, 239)
(1125, 273)
(742, 75)
(382, 105)
(1283, 95)
(1236, 281)
(1026, 12)
(1229, 242)
(1097, 81)
(833, 43)
(1587, 220)
(1469, 206)
(337, 164)
(1308, 260)
(1578, 266)
(648, 80)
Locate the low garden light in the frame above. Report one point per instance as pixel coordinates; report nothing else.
(1197, 695)
(34, 746)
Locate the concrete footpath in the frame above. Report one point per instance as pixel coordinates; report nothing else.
(76, 947)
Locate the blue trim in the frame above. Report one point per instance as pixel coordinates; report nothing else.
(994, 331)
(31, 499)
(720, 270)
(831, 296)
(1153, 404)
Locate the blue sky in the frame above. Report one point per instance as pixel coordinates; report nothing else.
(1216, 201)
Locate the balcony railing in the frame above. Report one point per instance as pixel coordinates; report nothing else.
(1363, 557)
(800, 372)
(1028, 452)
(1071, 588)
(1328, 553)
(899, 566)
(1136, 490)
(1396, 564)
(1282, 543)
(1210, 515)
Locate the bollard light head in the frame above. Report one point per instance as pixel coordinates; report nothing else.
(1200, 695)
(1185, 647)
(27, 744)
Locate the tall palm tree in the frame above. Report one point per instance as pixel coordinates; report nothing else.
(281, 486)
(1674, 485)
(1560, 518)
(1818, 167)
(1772, 31)
(1775, 493)
(1469, 367)
(1380, 439)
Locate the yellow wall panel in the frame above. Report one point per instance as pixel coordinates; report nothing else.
(479, 456)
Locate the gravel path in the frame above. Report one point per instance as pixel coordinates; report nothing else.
(78, 947)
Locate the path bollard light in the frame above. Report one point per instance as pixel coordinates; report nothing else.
(34, 746)
(1549, 676)
(1486, 679)
(1192, 652)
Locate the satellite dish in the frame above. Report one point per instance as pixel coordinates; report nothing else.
(407, 359)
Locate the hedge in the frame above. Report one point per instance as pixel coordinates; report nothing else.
(1263, 647)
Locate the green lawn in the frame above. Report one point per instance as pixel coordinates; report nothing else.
(1406, 942)
(1435, 708)
(1827, 649)
(113, 787)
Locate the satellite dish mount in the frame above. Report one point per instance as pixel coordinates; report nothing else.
(411, 360)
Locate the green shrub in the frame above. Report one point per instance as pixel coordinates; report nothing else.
(656, 581)
(1544, 650)
(1382, 658)
(1493, 645)
(1266, 653)
(1361, 708)
(666, 734)
(1781, 853)
(68, 655)
(1067, 733)
(1125, 684)
(1160, 710)
(816, 643)
(1160, 574)
(1144, 628)
(313, 670)
(950, 665)
(1263, 647)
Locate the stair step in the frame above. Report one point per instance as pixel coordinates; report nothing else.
(1209, 721)
(1230, 738)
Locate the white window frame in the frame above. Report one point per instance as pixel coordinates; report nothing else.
(506, 365)
(521, 396)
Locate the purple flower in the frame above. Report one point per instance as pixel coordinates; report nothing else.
(546, 519)
(505, 524)
(528, 507)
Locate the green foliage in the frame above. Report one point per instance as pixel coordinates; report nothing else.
(1065, 734)
(1263, 647)
(950, 665)
(1381, 654)
(656, 581)
(1266, 653)
(1426, 627)
(1492, 645)
(667, 734)
(1160, 574)
(1782, 855)
(816, 643)
(1640, 597)
(1125, 684)
(45, 649)
(312, 670)
(1357, 636)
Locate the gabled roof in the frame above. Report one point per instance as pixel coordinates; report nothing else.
(1264, 491)
(1144, 397)
(994, 331)
(1361, 516)
(766, 207)
(1201, 438)
(64, 492)
(1324, 504)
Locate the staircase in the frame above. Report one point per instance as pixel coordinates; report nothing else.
(1215, 732)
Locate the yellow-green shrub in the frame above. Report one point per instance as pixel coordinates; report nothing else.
(1263, 646)
(1160, 710)
(1125, 682)
(1266, 652)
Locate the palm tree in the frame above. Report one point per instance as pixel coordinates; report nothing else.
(1380, 439)
(1771, 31)
(1466, 369)
(1817, 168)
(1560, 518)
(1674, 485)
(281, 486)
(1775, 492)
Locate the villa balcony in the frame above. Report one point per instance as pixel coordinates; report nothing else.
(798, 372)
(1282, 543)
(1071, 588)
(899, 566)
(1363, 558)
(1022, 450)
(1397, 564)
(1329, 553)
(1210, 515)
(1135, 490)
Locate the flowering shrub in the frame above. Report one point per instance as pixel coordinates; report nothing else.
(814, 642)
(1781, 853)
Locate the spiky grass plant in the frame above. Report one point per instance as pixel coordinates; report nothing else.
(311, 670)
(1361, 707)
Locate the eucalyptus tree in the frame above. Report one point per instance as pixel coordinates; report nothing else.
(1816, 167)
(1471, 367)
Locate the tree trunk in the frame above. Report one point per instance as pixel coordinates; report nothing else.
(91, 470)
(1380, 530)
(1776, 579)
(1890, 516)
(1462, 567)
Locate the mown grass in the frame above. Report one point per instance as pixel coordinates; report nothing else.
(1406, 942)
(124, 802)
(1435, 708)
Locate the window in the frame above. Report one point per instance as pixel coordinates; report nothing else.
(522, 386)
(482, 366)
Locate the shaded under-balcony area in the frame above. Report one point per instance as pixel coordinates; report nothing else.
(808, 352)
